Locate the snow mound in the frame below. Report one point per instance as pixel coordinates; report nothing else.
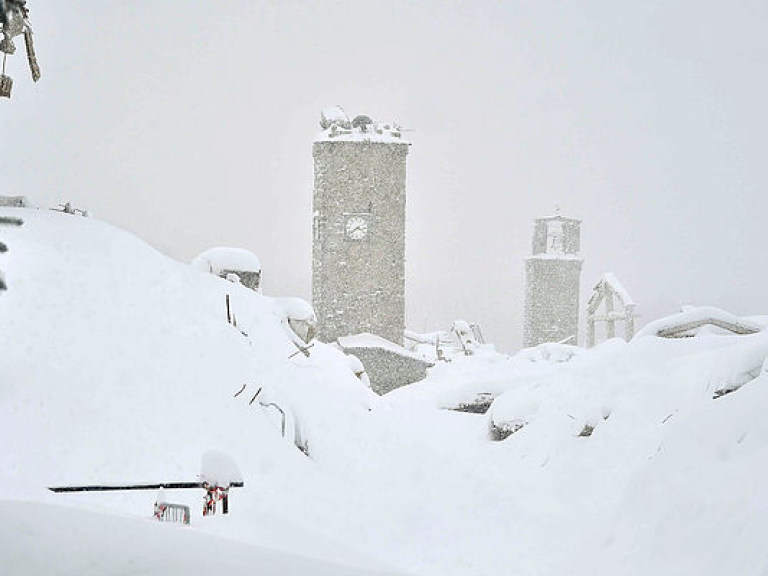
(219, 469)
(690, 321)
(119, 366)
(101, 328)
(44, 539)
(223, 258)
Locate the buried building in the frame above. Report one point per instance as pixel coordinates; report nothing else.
(226, 262)
(387, 365)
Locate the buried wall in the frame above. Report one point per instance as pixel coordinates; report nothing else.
(388, 370)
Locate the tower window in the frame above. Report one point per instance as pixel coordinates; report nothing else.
(555, 237)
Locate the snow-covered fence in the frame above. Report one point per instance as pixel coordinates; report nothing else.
(209, 481)
(166, 512)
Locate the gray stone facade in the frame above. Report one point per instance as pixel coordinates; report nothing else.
(552, 283)
(388, 367)
(249, 279)
(358, 255)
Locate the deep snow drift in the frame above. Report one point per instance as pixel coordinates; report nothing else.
(118, 366)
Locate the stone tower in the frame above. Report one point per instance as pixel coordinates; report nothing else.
(358, 248)
(552, 276)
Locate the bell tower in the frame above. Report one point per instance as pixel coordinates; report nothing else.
(358, 246)
(552, 276)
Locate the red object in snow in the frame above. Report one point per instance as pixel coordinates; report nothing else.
(213, 494)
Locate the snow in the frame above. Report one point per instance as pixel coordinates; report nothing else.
(366, 340)
(460, 381)
(336, 127)
(221, 258)
(358, 369)
(298, 319)
(119, 366)
(296, 309)
(610, 279)
(379, 133)
(695, 315)
(38, 539)
(219, 469)
(333, 115)
(549, 352)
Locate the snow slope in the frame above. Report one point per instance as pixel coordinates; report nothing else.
(670, 481)
(43, 539)
(118, 365)
(99, 329)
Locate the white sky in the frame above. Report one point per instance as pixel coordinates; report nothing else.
(191, 123)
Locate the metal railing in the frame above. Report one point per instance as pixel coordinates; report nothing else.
(166, 512)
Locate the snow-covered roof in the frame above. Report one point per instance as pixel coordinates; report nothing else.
(691, 318)
(613, 283)
(618, 288)
(337, 127)
(427, 337)
(227, 258)
(367, 340)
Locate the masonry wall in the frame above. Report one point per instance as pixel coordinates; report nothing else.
(249, 279)
(359, 285)
(388, 370)
(551, 300)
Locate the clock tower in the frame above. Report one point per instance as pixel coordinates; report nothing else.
(358, 246)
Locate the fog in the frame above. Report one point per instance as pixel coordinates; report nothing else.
(190, 124)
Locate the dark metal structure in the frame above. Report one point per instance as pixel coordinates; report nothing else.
(114, 487)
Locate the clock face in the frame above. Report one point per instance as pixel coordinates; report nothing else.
(357, 227)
